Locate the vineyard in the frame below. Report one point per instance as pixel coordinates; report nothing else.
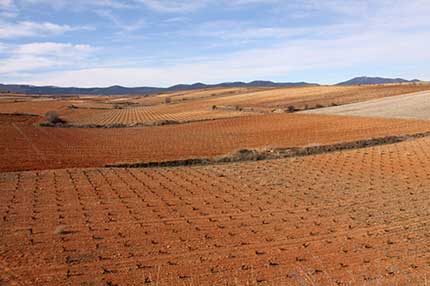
(29, 147)
(315, 96)
(152, 114)
(28, 105)
(275, 196)
(349, 218)
(199, 94)
(198, 105)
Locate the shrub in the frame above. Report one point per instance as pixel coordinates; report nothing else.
(213, 107)
(167, 100)
(60, 230)
(53, 117)
(291, 108)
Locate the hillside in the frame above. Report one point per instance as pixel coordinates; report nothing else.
(375, 80)
(120, 90)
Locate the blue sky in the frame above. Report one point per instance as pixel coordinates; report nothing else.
(165, 42)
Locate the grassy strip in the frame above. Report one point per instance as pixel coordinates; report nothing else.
(278, 153)
(107, 126)
(20, 114)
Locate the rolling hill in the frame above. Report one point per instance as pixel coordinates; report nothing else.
(120, 90)
(375, 80)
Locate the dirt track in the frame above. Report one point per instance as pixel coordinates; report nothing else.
(349, 218)
(408, 106)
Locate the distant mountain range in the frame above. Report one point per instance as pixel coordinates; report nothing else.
(146, 90)
(375, 80)
(120, 90)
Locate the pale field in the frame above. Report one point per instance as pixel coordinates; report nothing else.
(408, 106)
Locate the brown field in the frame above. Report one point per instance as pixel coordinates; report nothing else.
(198, 105)
(348, 218)
(199, 94)
(356, 217)
(28, 147)
(300, 97)
(152, 114)
(39, 107)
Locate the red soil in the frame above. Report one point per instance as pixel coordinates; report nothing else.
(40, 107)
(10, 118)
(25, 147)
(349, 218)
(301, 97)
(197, 105)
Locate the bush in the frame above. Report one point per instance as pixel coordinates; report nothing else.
(291, 108)
(213, 107)
(53, 117)
(167, 100)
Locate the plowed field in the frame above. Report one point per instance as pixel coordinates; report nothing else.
(27, 147)
(350, 218)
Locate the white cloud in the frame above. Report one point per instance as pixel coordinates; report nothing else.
(30, 29)
(6, 4)
(395, 35)
(27, 63)
(124, 27)
(235, 30)
(35, 56)
(49, 48)
(174, 5)
(7, 9)
(156, 5)
(3, 48)
(78, 4)
(370, 48)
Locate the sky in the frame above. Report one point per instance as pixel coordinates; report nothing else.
(87, 43)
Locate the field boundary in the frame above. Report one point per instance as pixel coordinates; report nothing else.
(19, 114)
(276, 153)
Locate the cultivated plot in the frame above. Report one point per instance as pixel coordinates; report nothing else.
(29, 147)
(174, 113)
(348, 218)
(315, 96)
(197, 105)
